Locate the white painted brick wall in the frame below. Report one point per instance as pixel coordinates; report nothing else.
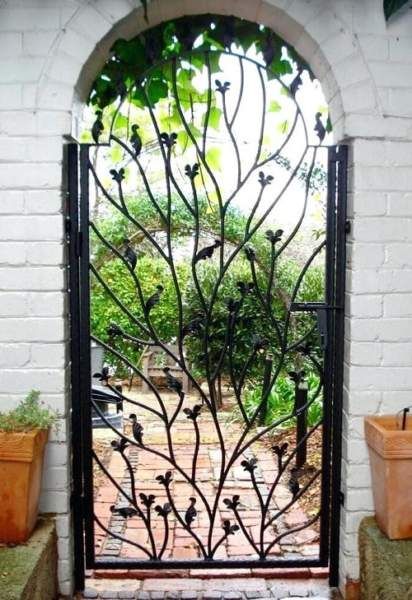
(366, 71)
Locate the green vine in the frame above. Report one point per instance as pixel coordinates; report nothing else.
(130, 59)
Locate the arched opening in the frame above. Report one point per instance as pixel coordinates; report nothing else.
(209, 277)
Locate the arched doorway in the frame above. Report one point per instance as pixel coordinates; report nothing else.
(207, 260)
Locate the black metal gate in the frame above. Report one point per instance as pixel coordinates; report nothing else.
(252, 360)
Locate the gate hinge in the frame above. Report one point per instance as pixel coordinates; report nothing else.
(341, 498)
(348, 226)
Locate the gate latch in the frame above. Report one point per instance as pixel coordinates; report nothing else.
(321, 316)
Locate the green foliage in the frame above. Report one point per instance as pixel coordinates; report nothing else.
(164, 317)
(281, 401)
(131, 59)
(390, 7)
(29, 414)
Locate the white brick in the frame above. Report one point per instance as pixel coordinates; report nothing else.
(366, 256)
(12, 254)
(14, 355)
(47, 304)
(63, 525)
(397, 354)
(394, 401)
(20, 381)
(32, 330)
(55, 478)
(14, 304)
(32, 228)
(398, 255)
(47, 253)
(20, 69)
(40, 175)
(45, 202)
(359, 500)
(38, 43)
(10, 96)
(364, 353)
(371, 281)
(374, 47)
(58, 502)
(32, 278)
(11, 43)
(400, 204)
(398, 305)
(48, 355)
(400, 48)
(364, 306)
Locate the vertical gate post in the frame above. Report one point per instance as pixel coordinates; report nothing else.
(72, 236)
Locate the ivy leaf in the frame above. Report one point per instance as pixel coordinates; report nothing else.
(214, 117)
(283, 127)
(274, 106)
(390, 7)
(157, 89)
(213, 158)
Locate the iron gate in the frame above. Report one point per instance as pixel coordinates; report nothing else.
(244, 335)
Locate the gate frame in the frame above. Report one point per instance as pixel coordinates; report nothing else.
(77, 234)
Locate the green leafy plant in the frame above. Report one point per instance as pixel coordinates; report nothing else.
(29, 414)
(281, 401)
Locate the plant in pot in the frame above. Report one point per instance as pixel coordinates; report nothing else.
(389, 438)
(23, 437)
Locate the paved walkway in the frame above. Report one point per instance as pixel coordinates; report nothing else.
(212, 589)
(297, 540)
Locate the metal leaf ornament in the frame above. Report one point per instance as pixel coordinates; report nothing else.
(259, 342)
(165, 479)
(296, 83)
(293, 483)
(249, 465)
(193, 413)
(265, 180)
(114, 330)
(191, 512)
(103, 376)
(172, 383)
(137, 429)
(297, 376)
(192, 171)
(245, 288)
(130, 255)
(147, 500)
(250, 254)
(222, 87)
(193, 326)
(319, 127)
(124, 511)
(154, 299)
(268, 51)
(207, 252)
(233, 503)
(168, 140)
(228, 528)
(274, 236)
(164, 510)
(280, 452)
(117, 176)
(97, 127)
(119, 445)
(136, 140)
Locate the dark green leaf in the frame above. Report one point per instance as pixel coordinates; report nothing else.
(391, 6)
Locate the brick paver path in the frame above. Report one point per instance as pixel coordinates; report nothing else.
(147, 466)
(213, 589)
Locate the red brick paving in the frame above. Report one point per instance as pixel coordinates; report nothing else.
(147, 466)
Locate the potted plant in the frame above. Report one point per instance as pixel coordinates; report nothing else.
(389, 438)
(23, 437)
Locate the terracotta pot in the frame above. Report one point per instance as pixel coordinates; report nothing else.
(21, 463)
(390, 451)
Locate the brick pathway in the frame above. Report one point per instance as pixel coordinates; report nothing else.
(212, 589)
(180, 543)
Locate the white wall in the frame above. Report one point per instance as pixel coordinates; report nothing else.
(50, 51)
